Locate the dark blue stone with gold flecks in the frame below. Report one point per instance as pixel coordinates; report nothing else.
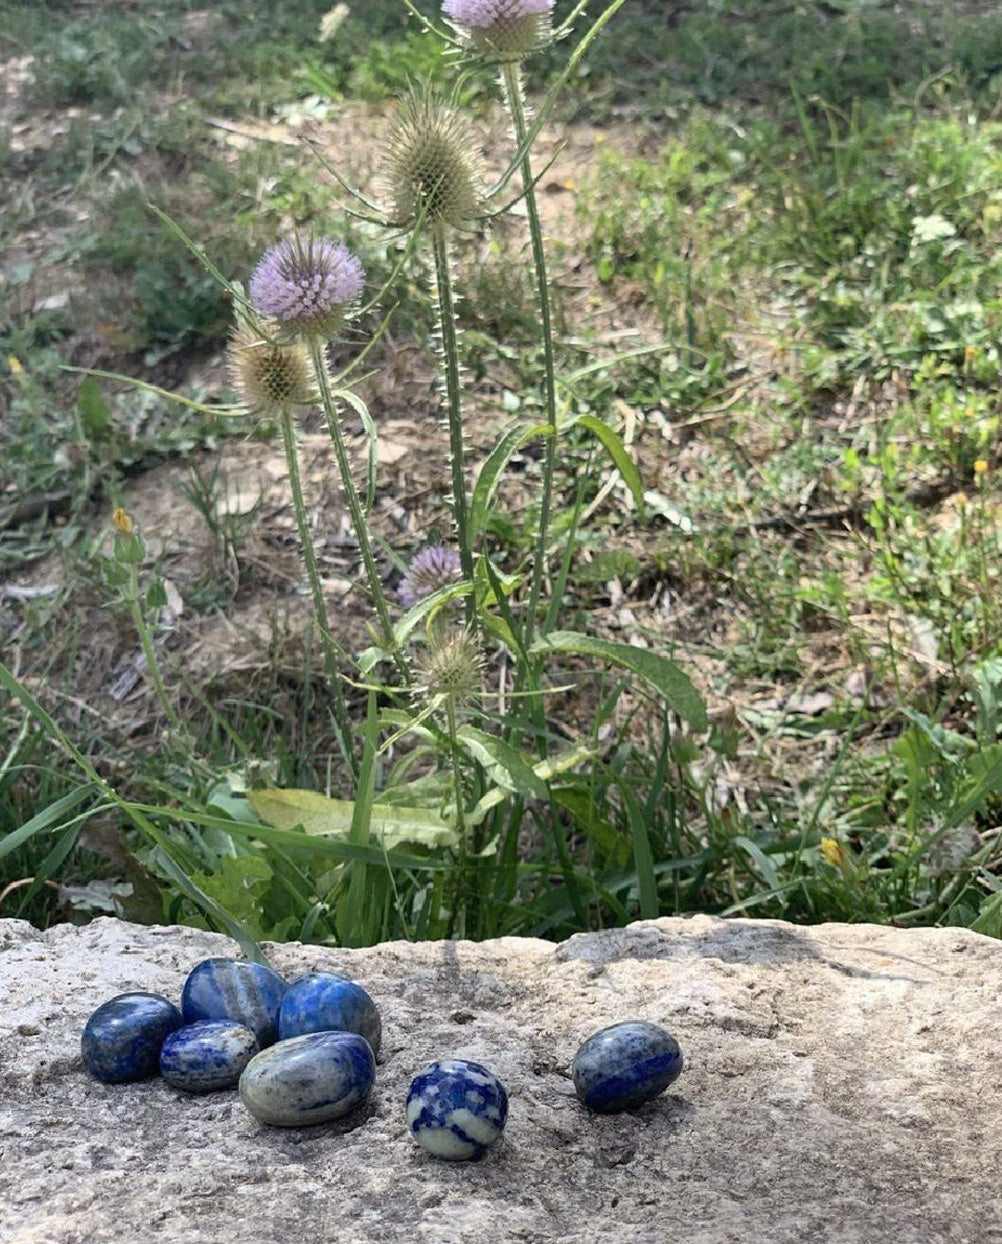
(122, 1039)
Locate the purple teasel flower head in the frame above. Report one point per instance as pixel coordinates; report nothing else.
(501, 30)
(306, 285)
(434, 567)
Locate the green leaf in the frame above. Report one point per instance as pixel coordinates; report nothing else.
(989, 921)
(608, 564)
(156, 595)
(983, 778)
(490, 472)
(666, 677)
(317, 814)
(762, 862)
(49, 818)
(617, 451)
(163, 861)
(505, 766)
(95, 414)
(360, 409)
(543, 769)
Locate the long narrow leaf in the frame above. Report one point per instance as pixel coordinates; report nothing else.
(614, 447)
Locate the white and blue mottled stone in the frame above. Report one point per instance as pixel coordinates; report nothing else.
(455, 1109)
(310, 1079)
(625, 1065)
(207, 1055)
(121, 1041)
(326, 1002)
(249, 993)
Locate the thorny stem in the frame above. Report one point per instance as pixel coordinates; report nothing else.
(358, 519)
(515, 97)
(342, 723)
(457, 782)
(450, 349)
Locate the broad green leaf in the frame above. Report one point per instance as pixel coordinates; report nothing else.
(95, 414)
(505, 766)
(617, 451)
(317, 814)
(989, 921)
(664, 676)
(490, 472)
(162, 860)
(545, 770)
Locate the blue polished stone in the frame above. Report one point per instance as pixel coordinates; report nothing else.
(326, 1002)
(455, 1109)
(122, 1039)
(207, 1055)
(621, 1067)
(249, 993)
(309, 1079)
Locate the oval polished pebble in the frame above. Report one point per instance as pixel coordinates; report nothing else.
(207, 1055)
(326, 1002)
(249, 993)
(625, 1065)
(308, 1079)
(455, 1109)
(121, 1041)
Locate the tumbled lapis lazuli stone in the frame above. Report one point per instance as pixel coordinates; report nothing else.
(122, 1039)
(309, 1079)
(326, 1002)
(621, 1067)
(455, 1109)
(249, 993)
(207, 1055)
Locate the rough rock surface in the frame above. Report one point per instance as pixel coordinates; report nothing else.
(842, 1086)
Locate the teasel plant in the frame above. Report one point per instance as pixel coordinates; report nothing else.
(433, 184)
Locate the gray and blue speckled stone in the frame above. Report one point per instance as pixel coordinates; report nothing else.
(249, 993)
(456, 1109)
(310, 1079)
(625, 1065)
(207, 1055)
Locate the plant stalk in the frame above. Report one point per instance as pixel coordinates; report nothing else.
(511, 78)
(450, 349)
(150, 654)
(342, 723)
(358, 519)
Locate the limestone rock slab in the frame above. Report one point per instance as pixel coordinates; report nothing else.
(842, 1085)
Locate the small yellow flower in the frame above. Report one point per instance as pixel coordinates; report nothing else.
(970, 353)
(960, 500)
(15, 365)
(123, 522)
(981, 466)
(834, 852)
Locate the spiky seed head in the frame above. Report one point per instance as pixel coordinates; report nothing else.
(307, 285)
(451, 669)
(434, 567)
(269, 377)
(432, 165)
(502, 30)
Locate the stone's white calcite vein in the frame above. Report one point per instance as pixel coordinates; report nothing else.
(249, 993)
(625, 1065)
(207, 1056)
(841, 1086)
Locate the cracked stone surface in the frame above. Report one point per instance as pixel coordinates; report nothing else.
(842, 1085)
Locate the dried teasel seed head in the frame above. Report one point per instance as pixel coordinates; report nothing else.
(432, 167)
(501, 30)
(307, 285)
(267, 376)
(451, 669)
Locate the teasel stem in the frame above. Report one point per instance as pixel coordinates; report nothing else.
(342, 723)
(457, 782)
(450, 349)
(511, 79)
(358, 519)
